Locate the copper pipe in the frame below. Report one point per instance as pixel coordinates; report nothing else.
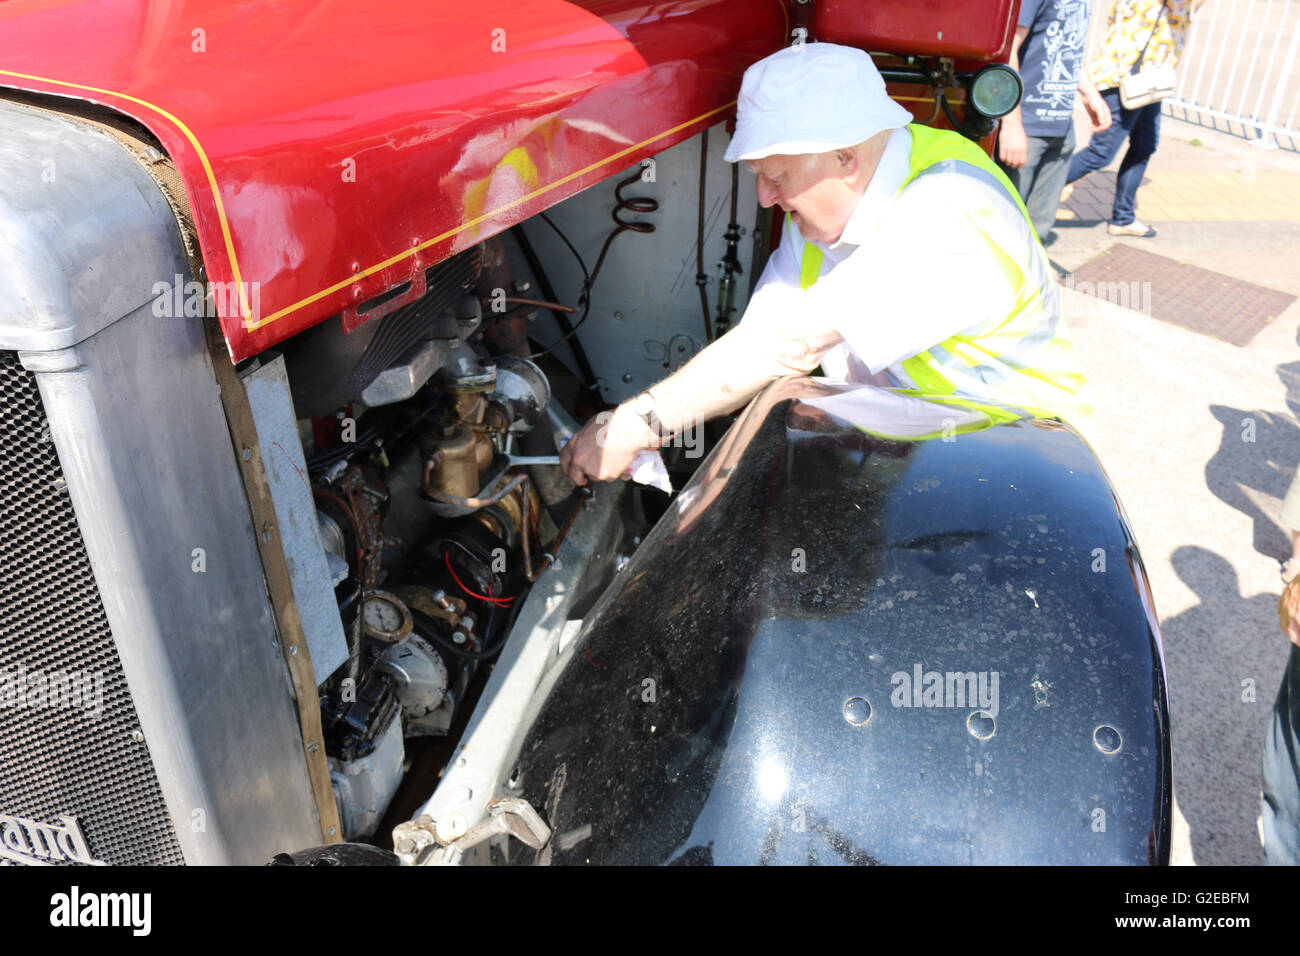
(539, 303)
(526, 530)
(549, 554)
(445, 498)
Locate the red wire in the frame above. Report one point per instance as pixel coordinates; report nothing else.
(499, 602)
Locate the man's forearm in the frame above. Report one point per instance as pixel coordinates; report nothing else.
(730, 372)
(1013, 61)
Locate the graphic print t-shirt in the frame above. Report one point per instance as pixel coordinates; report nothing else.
(1050, 59)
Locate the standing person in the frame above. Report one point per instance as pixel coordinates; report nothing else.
(1290, 519)
(1280, 790)
(1037, 137)
(1140, 33)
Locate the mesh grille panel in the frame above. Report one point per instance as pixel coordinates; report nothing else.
(60, 757)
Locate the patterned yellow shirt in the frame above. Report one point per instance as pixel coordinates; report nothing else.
(1131, 23)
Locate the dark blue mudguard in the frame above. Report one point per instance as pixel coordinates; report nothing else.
(933, 647)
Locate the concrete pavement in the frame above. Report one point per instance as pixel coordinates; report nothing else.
(1201, 439)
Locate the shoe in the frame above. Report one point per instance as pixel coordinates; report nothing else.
(1134, 228)
(1066, 193)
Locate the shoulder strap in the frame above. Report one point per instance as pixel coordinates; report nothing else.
(1137, 65)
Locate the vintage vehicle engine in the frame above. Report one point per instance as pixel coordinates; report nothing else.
(431, 513)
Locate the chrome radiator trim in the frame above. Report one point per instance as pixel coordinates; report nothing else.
(135, 416)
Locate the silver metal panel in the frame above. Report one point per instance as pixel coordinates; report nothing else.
(141, 435)
(80, 235)
(295, 512)
(645, 316)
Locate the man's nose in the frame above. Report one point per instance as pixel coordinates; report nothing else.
(766, 194)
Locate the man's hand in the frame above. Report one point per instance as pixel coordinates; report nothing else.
(1288, 611)
(1098, 111)
(604, 448)
(1013, 144)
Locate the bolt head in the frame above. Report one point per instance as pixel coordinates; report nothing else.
(451, 827)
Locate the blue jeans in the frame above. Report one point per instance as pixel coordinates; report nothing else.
(1042, 178)
(1280, 797)
(1141, 127)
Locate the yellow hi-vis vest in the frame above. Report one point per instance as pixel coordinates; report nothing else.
(1023, 359)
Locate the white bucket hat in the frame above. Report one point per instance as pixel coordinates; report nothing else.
(811, 98)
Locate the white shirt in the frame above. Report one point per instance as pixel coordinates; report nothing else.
(906, 273)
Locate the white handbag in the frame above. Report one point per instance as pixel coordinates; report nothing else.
(1147, 86)
(1143, 87)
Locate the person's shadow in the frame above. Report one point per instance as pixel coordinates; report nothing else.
(1259, 451)
(1224, 660)
(1092, 201)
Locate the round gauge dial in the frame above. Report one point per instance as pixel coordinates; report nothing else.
(385, 617)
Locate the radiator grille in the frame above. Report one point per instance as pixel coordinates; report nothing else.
(57, 760)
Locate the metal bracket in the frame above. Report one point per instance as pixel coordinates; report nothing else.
(353, 316)
(417, 841)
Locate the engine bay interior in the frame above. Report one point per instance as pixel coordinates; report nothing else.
(431, 424)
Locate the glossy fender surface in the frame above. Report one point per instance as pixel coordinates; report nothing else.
(333, 150)
(767, 680)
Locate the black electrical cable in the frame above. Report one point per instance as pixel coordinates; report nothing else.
(582, 263)
(427, 628)
(701, 278)
(636, 204)
(731, 266)
(947, 110)
(324, 459)
(735, 189)
(585, 371)
(564, 338)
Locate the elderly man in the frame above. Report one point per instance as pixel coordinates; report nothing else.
(907, 260)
